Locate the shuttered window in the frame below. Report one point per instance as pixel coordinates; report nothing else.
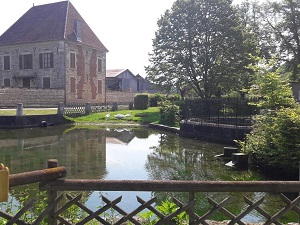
(72, 60)
(25, 61)
(73, 84)
(6, 61)
(46, 60)
(100, 66)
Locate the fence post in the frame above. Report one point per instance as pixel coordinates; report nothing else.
(52, 195)
(20, 110)
(88, 108)
(60, 109)
(191, 198)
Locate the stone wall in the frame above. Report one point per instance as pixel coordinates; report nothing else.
(120, 97)
(31, 97)
(222, 133)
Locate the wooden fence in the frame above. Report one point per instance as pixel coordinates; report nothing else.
(60, 199)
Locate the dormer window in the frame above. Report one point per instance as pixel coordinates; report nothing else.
(77, 29)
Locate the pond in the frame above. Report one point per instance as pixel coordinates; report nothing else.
(121, 154)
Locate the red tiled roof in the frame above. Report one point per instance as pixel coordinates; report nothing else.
(114, 73)
(49, 22)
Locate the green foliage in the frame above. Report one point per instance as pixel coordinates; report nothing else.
(169, 113)
(271, 90)
(155, 99)
(274, 142)
(166, 208)
(141, 101)
(200, 47)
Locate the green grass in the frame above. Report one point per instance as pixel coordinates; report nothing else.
(12, 112)
(150, 115)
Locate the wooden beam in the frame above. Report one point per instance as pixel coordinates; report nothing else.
(45, 175)
(172, 186)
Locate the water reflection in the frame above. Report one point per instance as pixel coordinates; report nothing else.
(122, 153)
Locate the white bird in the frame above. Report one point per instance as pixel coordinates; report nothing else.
(119, 116)
(128, 115)
(107, 115)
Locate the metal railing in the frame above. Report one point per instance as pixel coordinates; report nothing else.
(231, 111)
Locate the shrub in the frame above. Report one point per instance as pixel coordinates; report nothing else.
(168, 113)
(155, 99)
(141, 102)
(274, 142)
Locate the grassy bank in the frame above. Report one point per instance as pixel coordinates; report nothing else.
(150, 115)
(28, 111)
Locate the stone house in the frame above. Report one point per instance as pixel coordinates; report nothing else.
(51, 55)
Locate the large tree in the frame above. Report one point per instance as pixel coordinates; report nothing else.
(281, 21)
(202, 45)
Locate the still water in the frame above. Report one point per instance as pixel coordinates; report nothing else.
(122, 154)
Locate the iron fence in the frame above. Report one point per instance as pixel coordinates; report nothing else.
(233, 111)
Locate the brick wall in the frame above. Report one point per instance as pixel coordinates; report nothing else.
(31, 97)
(120, 97)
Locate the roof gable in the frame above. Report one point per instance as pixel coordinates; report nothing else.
(50, 22)
(88, 37)
(115, 72)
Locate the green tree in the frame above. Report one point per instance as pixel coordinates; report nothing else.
(200, 44)
(273, 143)
(282, 23)
(272, 91)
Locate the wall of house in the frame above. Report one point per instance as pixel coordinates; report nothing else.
(119, 97)
(31, 97)
(84, 83)
(36, 74)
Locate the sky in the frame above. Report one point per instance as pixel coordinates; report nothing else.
(125, 27)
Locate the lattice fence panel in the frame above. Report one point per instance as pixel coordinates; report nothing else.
(68, 209)
(74, 109)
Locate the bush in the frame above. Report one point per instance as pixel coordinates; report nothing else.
(274, 142)
(168, 113)
(141, 102)
(155, 99)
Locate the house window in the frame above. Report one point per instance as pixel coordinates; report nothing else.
(72, 60)
(73, 84)
(46, 60)
(46, 82)
(26, 82)
(6, 62)
(7, 82)
(100, 86)
(100, 65)
(25, 61)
